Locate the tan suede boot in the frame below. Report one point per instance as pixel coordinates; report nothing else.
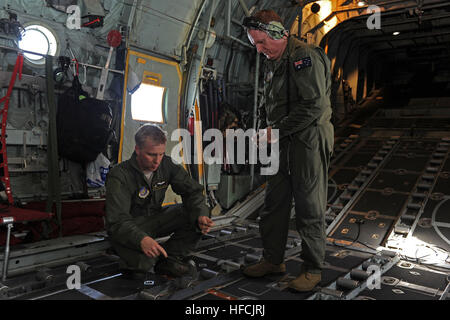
(264, 268)
(305, 282)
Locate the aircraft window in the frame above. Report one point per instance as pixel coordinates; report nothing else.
(39, 39)
(147, 103)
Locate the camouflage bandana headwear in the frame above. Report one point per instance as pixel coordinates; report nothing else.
(274, 29)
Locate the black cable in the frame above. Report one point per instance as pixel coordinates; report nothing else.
(348, 238)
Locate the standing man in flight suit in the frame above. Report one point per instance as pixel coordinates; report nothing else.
(297, 103)
(135, 191)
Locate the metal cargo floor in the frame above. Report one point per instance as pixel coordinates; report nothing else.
(388, 207)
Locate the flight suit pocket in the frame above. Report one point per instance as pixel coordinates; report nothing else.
(305, 160)
(159, 193)
(139, 207)
(329, 134)
(308, 137)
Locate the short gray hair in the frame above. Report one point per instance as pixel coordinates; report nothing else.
(150, 131)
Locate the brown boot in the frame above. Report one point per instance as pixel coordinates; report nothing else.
(263, 268)
(305, 282)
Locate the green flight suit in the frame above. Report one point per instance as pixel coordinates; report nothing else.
(134, 210)
(297, 103)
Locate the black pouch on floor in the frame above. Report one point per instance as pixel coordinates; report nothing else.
(83, 125)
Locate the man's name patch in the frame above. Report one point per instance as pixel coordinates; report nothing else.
(160, 185)
(302, 63)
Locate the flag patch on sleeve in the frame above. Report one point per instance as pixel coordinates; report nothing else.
(302, 63)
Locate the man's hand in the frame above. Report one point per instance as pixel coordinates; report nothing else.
(151, 248)
(271, 138)
(264, 135)
(205, 224)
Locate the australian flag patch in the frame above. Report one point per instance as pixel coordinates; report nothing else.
(302, 63)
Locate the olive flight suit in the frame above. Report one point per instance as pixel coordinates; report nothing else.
(297, 103)
(134, 210)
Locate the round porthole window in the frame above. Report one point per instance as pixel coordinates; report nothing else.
(39, 39)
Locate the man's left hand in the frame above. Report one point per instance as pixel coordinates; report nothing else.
(205, 224)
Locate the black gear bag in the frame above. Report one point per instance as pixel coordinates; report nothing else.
(83, 125)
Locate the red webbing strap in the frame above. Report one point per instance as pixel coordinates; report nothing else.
(77, 66)
(4, 113)
(18, 215)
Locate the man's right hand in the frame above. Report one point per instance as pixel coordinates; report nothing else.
(151, 248)
(264, 136)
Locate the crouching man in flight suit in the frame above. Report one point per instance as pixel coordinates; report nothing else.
(297, 103)
(135, 191)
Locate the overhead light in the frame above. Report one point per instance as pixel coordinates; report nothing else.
(396, 33)
(361, 3)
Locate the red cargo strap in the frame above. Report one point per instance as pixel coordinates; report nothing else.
(19, 215)
(77, 65)
(4, 113)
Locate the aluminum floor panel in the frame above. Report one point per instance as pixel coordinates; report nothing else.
(433, 233)
(442, 184)
(407, 163)
(369, 232)
(344, 259)
(228, 251)
(398, 182)
(121, 287)
(411, 283)
(344, 176)
(384, 204)
(358, 160)
(418, 276)
(446, 166)
(388, 293)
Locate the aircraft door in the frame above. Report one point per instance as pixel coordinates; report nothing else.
(151, 95)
